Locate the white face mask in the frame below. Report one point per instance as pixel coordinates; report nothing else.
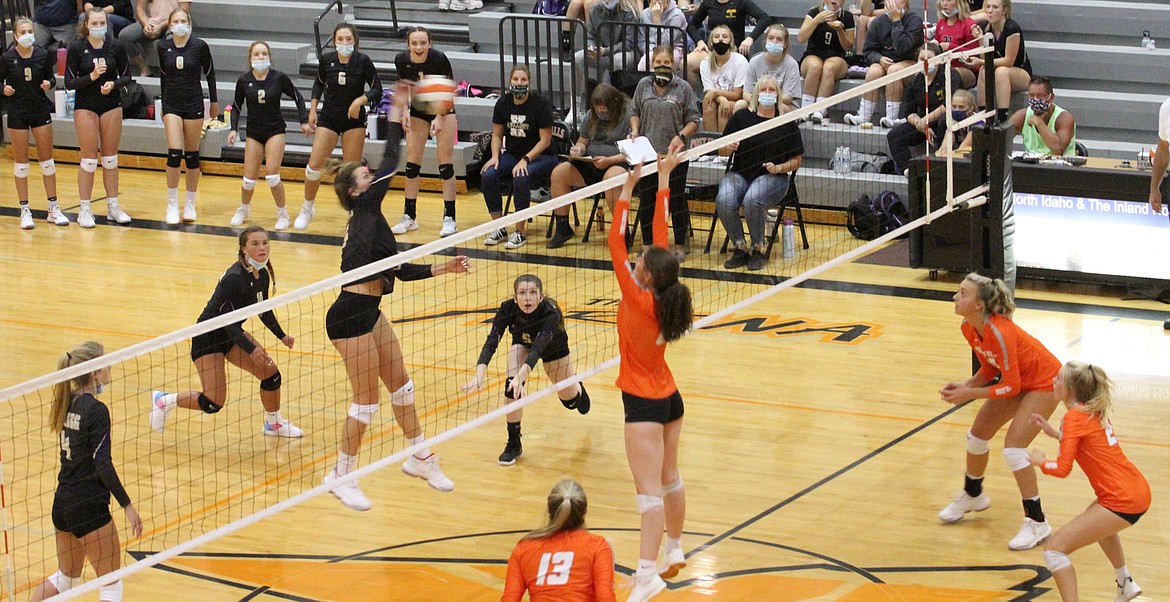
(344, 50)
(181, 30)
(26, 40)
(262, 66)
(256, 265)
(767, 99)
(97, 32)
(99, 386)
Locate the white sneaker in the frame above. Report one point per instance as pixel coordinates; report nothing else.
(449, 227)
(242, 213)
(444, 4)
(672, 562)
(496, 237)
(888, 123)
(962, 505)
(854, 119)
(1127, 591)
(429, 470)
(476, 4)
(85, 217)
(517, 240)
(816, 117)
(460, 5)
(283, 429)
(404, 225)
(115, 215)
(305, 216)
(158, 411)
(1031, 535)
(644, 589)
(189, 212)
(282, 219)
(26, 220)
(57, 217)
(349, 494)
(173, 213)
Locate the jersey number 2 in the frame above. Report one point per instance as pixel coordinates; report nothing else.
(554, 568)
(1109, 436)
(65, 446)
(260, 96)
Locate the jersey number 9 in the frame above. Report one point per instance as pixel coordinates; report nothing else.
(28, 74)
(828, 38)
(554, 568)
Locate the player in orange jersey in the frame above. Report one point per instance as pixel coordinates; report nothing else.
(562, 561)
(1123, 495)
(655, 309)
(1025, 370)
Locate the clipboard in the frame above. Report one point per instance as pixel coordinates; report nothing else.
(586, 158)
(638, 150)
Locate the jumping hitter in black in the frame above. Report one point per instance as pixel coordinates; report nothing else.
(359, 330)
(349, 81)
(538, 333)
(260, 90)
(184, 59)
(243, 284)
(81, 506)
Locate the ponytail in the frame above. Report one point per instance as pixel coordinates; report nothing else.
(64, 391)
(672, 298)
(994, 295)
(1089, 386)
(566, 510)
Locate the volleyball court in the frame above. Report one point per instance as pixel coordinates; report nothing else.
(207, 475)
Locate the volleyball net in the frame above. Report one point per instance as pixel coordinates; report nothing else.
(207, 475)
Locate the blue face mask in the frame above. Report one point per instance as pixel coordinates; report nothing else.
(774, 47)
(344, 50)
(261, 66)
(26, 40)
(181, 30)
(97, 32)
(958, 114)
(256, 265)
(767, 99)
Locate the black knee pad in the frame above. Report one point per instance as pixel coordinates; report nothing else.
(192, 158)
(508, 389)
(446, 171)
(412, 169)
(174, 157)
(272, 383)
(207, 405)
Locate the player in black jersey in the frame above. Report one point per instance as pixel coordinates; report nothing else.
(349, 82)
(184, 59)
(360, 332)
(27, 72)
(260, 90)
(828, 30)
(81, 505)
(538, 333)
(419, 61)
(245, 283)
(96, 67)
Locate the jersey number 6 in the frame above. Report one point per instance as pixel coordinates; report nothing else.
(341, 78)
(179, 62)
(558, 572)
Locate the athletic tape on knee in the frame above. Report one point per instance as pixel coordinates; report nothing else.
(412, 169)
(248, 184)
(273, 180)
(312, 175)
(174, 157)
(62, 582)
(207, 405)
(89, 165)
(646, 503)
(20, 170)
(192, 159)
(446, 171)
(48, 168)
(403, 396)
(673, 487)
(272, 383)
(977, 446)
(508, 389)
(363, 414)
(111, 592)
(1056, 560)
(1017, 458)
(110, 162)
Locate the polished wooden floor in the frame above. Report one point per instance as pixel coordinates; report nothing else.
(816, 453)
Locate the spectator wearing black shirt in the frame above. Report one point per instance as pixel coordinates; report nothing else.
(732, 13)
(81, 505)
(538, 333)
(349, 82)
(183, 60)
(357, 328)
(27, 73)
(120, 13)
(96, 66)
(829, 32)
(55, 22)
(259, 90)
(521, 140)
(893, 41)
(923, 110)
(1012, 68)
(760, 174)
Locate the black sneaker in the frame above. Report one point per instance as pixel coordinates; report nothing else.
(739, 258)
(757, 261)
(560, 237)
(511, 451)
(583, 403)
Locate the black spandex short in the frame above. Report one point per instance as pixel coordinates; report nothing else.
(184, 112)
(1131, 518)
(16, 121)
(352, 315)
(341, 124)
(427, 117)
(209, 343)
(263, 137)
(662, 411)
(103, 107)
(589, 172)
(80, 516)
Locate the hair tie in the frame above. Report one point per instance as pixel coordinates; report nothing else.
(68, 357)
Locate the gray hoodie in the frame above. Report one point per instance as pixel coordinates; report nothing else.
(672, 16)
(603, 32)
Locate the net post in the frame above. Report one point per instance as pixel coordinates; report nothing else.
(993, 226)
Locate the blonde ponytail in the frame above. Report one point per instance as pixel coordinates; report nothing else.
(1089, 386)
(64, 391)
(566, 510)
(993, 294)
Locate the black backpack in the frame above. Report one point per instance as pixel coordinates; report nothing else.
(869, 218)
(133, 101)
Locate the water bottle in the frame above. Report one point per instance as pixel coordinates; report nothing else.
(70, 99)
(789, 240)
(1147, 41)
(770, 218)
(227, 115)
(838, 161)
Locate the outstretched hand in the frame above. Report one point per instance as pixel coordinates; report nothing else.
(1041, 423)
(634, 175)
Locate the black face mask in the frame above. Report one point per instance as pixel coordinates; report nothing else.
(519, 91)
(663, 75)
(720, 47)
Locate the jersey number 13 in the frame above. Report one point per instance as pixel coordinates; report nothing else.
(554, 568)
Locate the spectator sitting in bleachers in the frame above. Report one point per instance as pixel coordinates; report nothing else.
(54, 23)
(758, 178)
(577, 9)
(1047, 129)
(150, 25)
(608, 44)
(962, 106)
(976, 10)
(723, 74)
(776, 62)
(915, 123)
(829, 32)
(120, 13)
(956, 30)
(892, 43)
(667, 13)
(864, 14)
(1013, 69)
(734, 15)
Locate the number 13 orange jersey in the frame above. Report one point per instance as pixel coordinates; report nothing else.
(571, 566)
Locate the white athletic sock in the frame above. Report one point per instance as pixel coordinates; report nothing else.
(646, 568)
(893, 110)
(820, 98)
(111, 200)
(308, 203)
(173, 195)
(345, 464)
(806, 99)
(672, 543)
(85, 205)
(170, 400)
(422, 453)
(272, 417)
(866, 110)
(53, 204)
(1122, 574)
(190, 196)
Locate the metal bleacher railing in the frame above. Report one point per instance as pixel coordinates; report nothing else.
(317, 25)
(535, 40)
(647, 37)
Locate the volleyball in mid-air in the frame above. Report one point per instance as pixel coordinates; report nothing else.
(435, 95)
